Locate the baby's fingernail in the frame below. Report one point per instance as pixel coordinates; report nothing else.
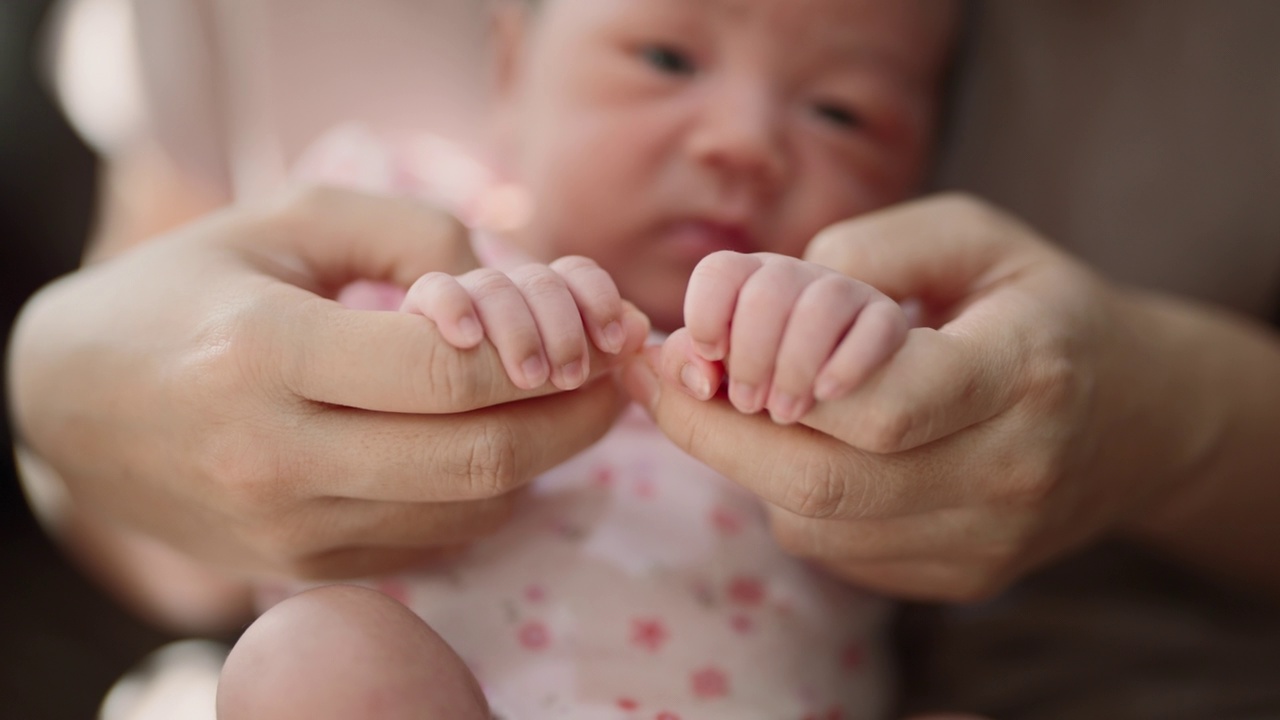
(469, 330)
(826, 389)
(707, 351)
(745, 397)
(783, 408)
(535, 371)
(572, 375)
(695, 382)
(614, 337)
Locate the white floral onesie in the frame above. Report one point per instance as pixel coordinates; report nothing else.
(633, 582)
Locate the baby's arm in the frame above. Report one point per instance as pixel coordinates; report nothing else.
(538, 317)
(790, 332)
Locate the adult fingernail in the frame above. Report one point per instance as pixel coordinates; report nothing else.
(695, 382)
(639, 378)
(535, 371)
(614, 337)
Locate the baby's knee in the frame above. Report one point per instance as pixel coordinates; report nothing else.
(345, 652)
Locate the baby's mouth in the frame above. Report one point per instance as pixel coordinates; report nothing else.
(701, 237)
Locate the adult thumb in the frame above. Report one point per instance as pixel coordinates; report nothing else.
(939, 250)
(341, 236)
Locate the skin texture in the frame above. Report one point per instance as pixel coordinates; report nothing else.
(1039, 409)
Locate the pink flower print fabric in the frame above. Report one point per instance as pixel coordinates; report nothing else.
(633, 582)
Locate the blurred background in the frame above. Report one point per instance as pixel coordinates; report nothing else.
(62, 643)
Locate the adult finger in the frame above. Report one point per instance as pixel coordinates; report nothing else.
(405, 365)
(324, 525)
(924, 580)
(358, 561)
(939, 249)
(341, 236)
(795, 467)
(937, 384)
(965, 261)
(481, 454)
(956, 534)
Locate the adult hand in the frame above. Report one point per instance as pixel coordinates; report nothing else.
(204, 389)
(1023, 420)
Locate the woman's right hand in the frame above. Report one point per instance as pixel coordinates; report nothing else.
(203, 390)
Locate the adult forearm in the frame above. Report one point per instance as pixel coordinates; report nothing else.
(1224, 513)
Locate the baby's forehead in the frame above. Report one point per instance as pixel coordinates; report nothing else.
(914, 32)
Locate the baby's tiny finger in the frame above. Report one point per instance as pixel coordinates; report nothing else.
(820, 319)
(876, 335)
(765, 307)
(442, 299)
(559, 323)
(509, 325)
(598, 299)
(711, 298)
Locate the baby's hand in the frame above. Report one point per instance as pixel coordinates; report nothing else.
(790, 332)
(537, 317)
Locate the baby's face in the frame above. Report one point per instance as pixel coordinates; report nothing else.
(651, 133)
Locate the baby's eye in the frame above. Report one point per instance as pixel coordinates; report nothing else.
(668, 59)
(838, 115)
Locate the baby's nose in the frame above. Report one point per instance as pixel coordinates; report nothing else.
(739, 134)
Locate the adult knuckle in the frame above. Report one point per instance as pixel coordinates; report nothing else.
(1054, 381)
(490, 461)
(1029, 484)
(817, 492)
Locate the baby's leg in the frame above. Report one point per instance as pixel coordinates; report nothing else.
(345, 652)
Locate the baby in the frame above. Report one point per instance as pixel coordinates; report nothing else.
(690, 149)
